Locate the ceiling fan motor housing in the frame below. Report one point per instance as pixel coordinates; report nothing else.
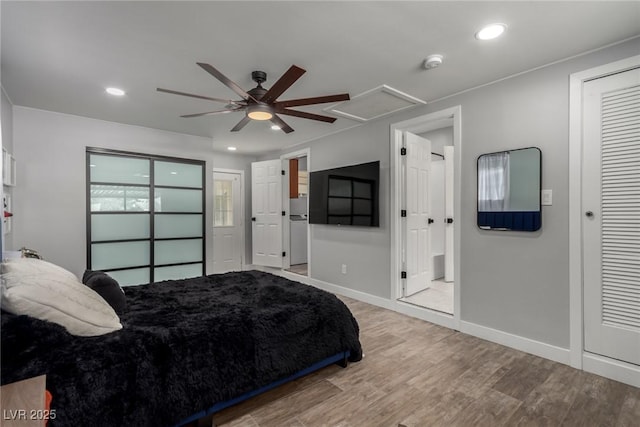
(257, 93)
(259, 76)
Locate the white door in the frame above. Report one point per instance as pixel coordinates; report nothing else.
(611, 221)
(227, 222)
(448, 213)
(266, 213)
(417, 249)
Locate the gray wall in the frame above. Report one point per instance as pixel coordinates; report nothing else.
(439, 138)
(49, 199)
(514, 282)
(6, 115)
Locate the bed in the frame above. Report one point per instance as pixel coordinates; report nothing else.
(186, 348)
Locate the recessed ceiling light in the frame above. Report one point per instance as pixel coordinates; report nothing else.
(115, 91)
(491, 31)
(231, 148)
(275, 127)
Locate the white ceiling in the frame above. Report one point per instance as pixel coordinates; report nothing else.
(60, 56)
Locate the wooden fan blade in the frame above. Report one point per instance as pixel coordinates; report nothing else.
(226, 81)
(242, 123)
(306, 115)
(283, 126)
(311, 101)
(175, 92)
(210, 113)
(283, 83)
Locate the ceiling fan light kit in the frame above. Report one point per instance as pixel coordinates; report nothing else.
(259, 112)
(262, 104)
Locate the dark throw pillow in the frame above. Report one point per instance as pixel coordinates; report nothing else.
(107, 287)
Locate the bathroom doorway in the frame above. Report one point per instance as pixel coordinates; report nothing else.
(440, 301)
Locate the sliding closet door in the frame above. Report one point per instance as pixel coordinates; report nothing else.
(178, 220)
(145, 220)
(119, 221)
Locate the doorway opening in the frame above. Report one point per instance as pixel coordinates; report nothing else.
(296, 203)
(425, 158)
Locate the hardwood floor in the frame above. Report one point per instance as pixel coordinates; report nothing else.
(418, 374)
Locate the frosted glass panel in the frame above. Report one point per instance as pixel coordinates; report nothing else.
(136, 276)
(175, 200)
(169, 226)
(177, 272)
(117, 255)
(117, 169)
(177, 174)
(176, 251)
(119, 198)
(119, 226)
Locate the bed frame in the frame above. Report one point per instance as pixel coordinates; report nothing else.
(341, 359)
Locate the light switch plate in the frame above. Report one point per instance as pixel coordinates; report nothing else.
(546, 198)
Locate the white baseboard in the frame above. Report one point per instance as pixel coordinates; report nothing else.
(611, 368)
(537, 348)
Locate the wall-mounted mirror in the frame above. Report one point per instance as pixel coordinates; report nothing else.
(509, 190)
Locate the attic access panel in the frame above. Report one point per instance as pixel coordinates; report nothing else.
(374, 103)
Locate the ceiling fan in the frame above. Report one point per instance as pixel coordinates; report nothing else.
(262, 104)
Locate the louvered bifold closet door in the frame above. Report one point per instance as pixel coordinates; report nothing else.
(621, 208)
(611, 224)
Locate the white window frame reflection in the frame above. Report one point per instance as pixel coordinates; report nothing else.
(223, 203)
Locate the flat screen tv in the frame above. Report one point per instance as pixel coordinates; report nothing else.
(345, 196)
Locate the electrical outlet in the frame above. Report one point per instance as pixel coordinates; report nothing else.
(344, 268)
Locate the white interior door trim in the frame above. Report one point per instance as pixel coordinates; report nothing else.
(243, 215)
(449, 181)
(439, 119)
(578, 359)
(286, 229)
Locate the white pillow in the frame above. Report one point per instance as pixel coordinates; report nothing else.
(46, 291)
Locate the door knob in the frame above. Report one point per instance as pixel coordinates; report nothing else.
(589, 214)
